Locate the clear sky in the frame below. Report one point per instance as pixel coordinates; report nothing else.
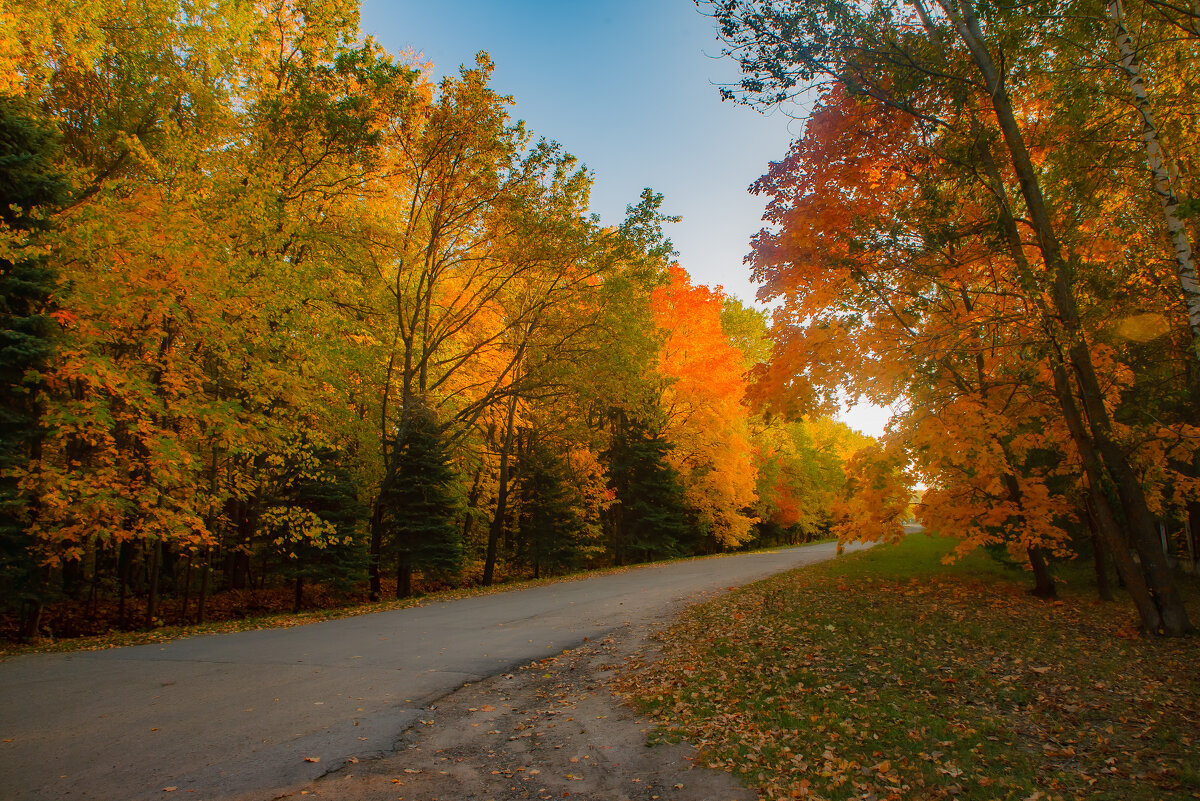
(627, 86)
(630, 88)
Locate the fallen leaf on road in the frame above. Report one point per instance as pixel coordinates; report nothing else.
(312, 759)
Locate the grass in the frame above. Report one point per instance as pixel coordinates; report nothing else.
(888, 675)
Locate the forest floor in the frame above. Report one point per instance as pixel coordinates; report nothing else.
(890, 675)
(80, 625)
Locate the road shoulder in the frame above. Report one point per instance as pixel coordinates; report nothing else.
(550, 729)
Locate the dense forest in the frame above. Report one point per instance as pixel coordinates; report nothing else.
(990, 219)
(281, 314)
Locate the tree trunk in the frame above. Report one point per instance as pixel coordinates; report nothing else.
(1185, 265)
(617, 524)
(155, 557)
(124, 559)
(404, 575)
(1088, 518)
(187, 588)
(375, 554)
(93, 600)
(298, 595)
(497, 527)
(472, 501)
(1172, 617)
(205, 569)
(31, 619)
(237, 558)
(1103, 588)
(1043, 582)
(73, 577)
(1191, 531)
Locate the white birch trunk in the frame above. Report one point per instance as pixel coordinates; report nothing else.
(1185, 263)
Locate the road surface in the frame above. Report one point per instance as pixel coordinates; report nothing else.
(236, 716)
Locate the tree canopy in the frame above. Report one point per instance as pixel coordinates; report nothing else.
(283, 311)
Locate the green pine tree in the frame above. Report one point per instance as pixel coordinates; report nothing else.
(420, 504)
(550, 530)
(28, 183)
(649, 520)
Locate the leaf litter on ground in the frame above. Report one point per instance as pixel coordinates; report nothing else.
(885, 677)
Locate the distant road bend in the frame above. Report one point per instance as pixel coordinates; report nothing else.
(234, 716)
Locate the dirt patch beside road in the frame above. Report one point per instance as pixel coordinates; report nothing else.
(551, 729)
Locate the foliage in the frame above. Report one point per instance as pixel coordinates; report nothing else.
(419, 501)
(801, 467)
(314, 520)
(29, 190)
(297, 284)
(706, 419)
(649, 519)
(958, 233)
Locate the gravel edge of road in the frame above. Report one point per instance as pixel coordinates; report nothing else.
(551, 728)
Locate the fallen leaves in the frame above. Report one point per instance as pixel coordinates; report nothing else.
(938, 688)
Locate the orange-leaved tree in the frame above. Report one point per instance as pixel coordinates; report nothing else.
(706, 415)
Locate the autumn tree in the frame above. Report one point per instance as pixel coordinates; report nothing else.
(478, 233)
(313, 521)
(707, 420)
(945, 79)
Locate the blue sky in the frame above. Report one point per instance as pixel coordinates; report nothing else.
(627, 86)
(630, 88)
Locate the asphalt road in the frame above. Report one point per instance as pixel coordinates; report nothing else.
(235, 716)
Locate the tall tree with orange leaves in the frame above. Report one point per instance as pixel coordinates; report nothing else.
(706, 416)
